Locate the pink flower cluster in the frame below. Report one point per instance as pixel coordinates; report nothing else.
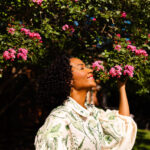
(10, 54)
(137, 51)
(97, 65)
(67, 27)
(118, 47)
(128, 70)
(11, 31)
(22, 53)
(123, 15)
(116, 71)
(31, 34)
(39, 2)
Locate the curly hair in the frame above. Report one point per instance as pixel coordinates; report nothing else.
(55, 84)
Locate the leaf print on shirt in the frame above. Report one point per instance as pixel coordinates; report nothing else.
(108, 138)
(55, 143)
(55, 128)
(78, 126)
(81, 144)
(72, 116)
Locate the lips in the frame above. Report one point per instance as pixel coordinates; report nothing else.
(91, 76)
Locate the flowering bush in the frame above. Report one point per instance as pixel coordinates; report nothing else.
(22, 45)
(81, 29)
(123, 61)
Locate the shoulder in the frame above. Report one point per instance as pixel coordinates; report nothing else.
(56, 120)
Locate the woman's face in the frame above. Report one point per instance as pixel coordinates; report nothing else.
(82, 76)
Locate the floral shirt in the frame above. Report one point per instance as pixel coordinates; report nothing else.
(72, 127)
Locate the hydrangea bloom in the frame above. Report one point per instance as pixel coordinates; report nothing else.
(97, 65)
(128, 70)
(11, 30)
(117, 47)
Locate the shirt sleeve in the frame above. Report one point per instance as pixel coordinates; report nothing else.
(53, 135)
(119, 131)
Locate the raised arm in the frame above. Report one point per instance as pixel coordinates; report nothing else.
(123, 105)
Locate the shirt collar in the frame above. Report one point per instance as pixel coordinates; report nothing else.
(77, 107)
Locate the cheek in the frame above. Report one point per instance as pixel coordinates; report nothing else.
(80, 80)
(79, 77)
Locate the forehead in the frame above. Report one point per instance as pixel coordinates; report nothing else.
(76, 61)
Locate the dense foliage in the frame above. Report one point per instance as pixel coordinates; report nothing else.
(44, 29)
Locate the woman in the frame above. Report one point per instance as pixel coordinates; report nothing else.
(75, 125)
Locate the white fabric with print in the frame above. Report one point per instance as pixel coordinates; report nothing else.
(72, 127)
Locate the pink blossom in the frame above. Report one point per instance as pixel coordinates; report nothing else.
(6, 55)
(131, 47)
(112, 72)
(39, 2)
(23, 50)
(65, 27)
(118, 35)
(10, 54)
(96, 65)
(128, 70)
(117, 47)
(118, 67)
(24, 57)
(123, 15)
(31, 34)
(141, 52)
(26, 31)
(37, 35)
(149, 35)
(76, 0)
(22, 53)
(11, 30)
(116, 71)
(12, 51)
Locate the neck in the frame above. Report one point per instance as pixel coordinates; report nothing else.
(79, 96)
